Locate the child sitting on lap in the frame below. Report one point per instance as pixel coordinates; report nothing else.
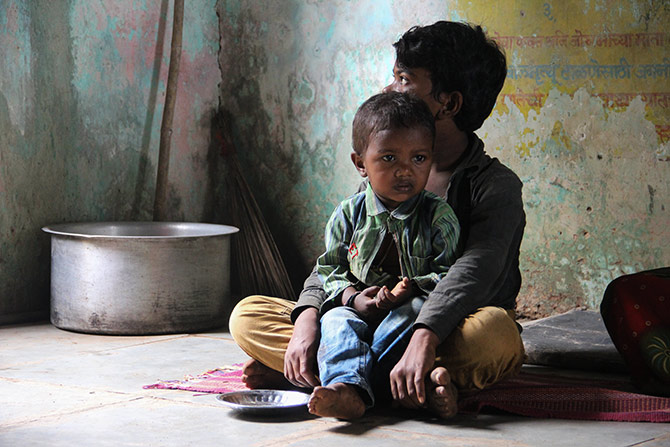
(386, 249)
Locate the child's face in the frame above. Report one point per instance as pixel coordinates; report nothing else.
(397, 162)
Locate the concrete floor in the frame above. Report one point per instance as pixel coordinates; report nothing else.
(59, 388)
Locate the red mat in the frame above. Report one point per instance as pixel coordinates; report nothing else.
(549, 396)
(219, 380)
(529, 394)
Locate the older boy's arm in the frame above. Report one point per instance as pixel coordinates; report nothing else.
(472, 282)
(477, 277)
(300, 358)
(312, 295)
(409, 374)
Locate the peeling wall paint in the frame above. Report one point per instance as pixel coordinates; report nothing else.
(583, 119)
(81, 92)
(82, 84)
(586, 112)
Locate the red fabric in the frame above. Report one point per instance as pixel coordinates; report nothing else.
(220, 380)
(549, 396)
(534, 395)
(636, 312)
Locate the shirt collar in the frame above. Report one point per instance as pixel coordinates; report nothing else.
(473, 156)
(375, 206)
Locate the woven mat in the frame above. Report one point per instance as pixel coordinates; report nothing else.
(549, 396)
(219, 380)
(529, 394)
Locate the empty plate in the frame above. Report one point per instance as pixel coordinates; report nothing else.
(264, 401)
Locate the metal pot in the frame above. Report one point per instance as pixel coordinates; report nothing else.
(136, 278)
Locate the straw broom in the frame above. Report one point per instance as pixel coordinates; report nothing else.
(258, 268)
(257, 265)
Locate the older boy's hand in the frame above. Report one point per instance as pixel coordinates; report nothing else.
(300, 358)
(409, 374)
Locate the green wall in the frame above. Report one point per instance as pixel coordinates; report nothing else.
(585, 112)
(583, 120)
(82, 83)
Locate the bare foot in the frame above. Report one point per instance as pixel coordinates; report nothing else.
(256, 375)
(442, 394)
(338, 400)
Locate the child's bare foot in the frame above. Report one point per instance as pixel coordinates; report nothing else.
(442, 394)
(338, 400)
(256, 375)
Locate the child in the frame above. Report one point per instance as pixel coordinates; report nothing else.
(393, 235)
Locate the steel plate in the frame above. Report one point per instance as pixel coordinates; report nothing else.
(264, 401)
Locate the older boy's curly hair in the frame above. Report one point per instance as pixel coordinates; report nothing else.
(386, 111)
(460, 57)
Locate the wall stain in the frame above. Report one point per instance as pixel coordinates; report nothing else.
(652, 192)
(655, 10)
(77, 130)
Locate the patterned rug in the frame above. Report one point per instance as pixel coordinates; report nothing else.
(549, 396)
(219, 380)
(529, 394)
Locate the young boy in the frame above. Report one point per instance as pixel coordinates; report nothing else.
(393, 235)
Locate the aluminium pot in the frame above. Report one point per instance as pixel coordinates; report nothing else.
(137, 278)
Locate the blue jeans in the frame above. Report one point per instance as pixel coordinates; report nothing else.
(353, 352)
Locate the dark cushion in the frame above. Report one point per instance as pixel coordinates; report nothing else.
(576, 339)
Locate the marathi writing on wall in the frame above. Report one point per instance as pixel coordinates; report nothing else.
(616, 67)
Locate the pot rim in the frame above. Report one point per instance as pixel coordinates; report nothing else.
(135, 230)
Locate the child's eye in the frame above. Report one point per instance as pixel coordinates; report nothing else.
(388, 158)
(419, 158)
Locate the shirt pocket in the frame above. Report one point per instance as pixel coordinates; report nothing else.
(419, 265)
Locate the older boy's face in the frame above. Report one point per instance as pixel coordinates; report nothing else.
(415, 81)
(397, 162)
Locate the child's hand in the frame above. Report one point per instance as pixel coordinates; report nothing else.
(365, 304)
(386, 299)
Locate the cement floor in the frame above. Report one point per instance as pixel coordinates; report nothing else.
(60, 388)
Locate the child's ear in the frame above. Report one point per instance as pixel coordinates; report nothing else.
(451, 105)
(359, 163)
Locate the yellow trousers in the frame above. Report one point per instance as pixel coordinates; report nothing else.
(485, 348)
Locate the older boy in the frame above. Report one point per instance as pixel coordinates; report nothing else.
(394, 233)
(465, 333)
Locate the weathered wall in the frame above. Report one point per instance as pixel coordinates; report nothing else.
(82, 85)
(583, 120)
(585, 112)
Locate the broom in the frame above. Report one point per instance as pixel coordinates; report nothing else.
(258, 268)
(160, 195)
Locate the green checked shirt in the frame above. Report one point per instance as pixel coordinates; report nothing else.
(424, 228)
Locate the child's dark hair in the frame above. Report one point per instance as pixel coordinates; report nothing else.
(460, 57)
(385, 111)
